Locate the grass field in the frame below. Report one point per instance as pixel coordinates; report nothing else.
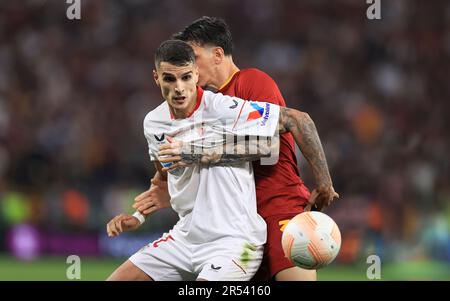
(54, 268)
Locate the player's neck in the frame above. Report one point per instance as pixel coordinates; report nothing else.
(224, 74)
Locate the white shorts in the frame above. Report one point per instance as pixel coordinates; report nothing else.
(167, 259)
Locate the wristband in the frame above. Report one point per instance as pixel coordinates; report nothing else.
(139, 216)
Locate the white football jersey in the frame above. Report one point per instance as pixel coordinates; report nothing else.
(213, 202)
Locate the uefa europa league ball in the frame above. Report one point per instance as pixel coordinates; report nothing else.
(311, 240)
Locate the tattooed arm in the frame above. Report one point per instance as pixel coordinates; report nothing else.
(304, 131)
(298, 123)
(182, 154)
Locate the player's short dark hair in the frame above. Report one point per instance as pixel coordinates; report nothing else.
(175, 52)
(208, 31)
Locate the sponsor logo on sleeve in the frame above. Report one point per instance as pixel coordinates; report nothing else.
(256, 113)
(266, 115)
(259, 112)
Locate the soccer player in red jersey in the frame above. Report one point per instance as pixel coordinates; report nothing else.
(281, 193)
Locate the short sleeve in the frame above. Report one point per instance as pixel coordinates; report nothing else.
(240, 117)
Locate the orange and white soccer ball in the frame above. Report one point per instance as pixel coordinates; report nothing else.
(311, 240)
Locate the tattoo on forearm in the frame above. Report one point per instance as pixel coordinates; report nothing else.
(305, 134)
(233, 158)
(244, 150)
(190, 158)
(285, 121)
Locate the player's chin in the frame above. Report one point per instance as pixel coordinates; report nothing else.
(179, 104)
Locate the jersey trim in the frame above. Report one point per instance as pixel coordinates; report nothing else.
(240, 112)
(228, 80)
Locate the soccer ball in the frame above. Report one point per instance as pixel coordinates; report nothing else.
(311, 240)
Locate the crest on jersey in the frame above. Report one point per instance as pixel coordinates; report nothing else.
(257, 113)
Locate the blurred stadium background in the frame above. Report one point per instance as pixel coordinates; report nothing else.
(73, 95)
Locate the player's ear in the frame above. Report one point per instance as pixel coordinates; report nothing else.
(196, 73)
(155, 77)
(218, 54)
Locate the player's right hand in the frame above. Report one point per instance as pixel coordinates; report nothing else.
(157, 197)
(122, 223)
(171, 154)
(321, 197)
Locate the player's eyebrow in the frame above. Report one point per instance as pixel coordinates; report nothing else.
(171, 74)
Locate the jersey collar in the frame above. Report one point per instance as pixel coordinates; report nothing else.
(228, 81)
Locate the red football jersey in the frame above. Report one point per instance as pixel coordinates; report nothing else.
(279, 188)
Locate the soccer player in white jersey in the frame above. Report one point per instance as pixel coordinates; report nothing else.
(219, 235)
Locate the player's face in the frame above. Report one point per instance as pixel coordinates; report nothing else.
(178, 85)
(205, 60)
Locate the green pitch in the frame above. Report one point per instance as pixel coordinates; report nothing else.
(54, 268)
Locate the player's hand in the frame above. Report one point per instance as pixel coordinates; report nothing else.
(122, 223)
(172, 153)
(157, 197)
(321, 197)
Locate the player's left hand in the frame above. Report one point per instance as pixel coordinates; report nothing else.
(172, 153)
(321, 197)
